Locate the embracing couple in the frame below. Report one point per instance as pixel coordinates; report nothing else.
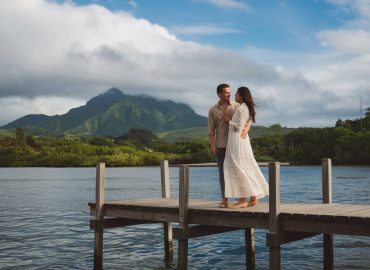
(228, 126)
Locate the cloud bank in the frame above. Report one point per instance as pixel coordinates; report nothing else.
(55, 56)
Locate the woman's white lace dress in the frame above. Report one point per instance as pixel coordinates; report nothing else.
(243, 177)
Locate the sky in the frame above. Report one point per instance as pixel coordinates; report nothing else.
(306, 62)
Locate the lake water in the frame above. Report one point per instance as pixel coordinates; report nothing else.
(44, 220)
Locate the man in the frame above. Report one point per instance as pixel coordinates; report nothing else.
(218, 130)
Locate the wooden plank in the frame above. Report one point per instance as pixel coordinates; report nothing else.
(148, 202)
(167, 226)
(182, 259)
(364, 212)
(328, 251)
(229, 215)
(290, 207)
(116, 222)
(335, 210)
(149, 206)
(250, 252)
(200, 230)
(298, 207)
(285, 237)
(333, 226)
(327, 197)
(343, 210)
(98, 249)
(99, 198)
(313, 209)
(288, 237)
(261, 208)
(274, 200)
(229, 221)
(199, 211)
(274, 211)
(160, 216)
(168, 242)
(184, 196)
(99, 214)
(165, 179)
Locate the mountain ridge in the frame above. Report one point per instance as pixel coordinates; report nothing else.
(113, 113)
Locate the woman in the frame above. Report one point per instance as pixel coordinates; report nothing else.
(243, 177)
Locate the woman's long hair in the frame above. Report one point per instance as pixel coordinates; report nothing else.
(245, 93)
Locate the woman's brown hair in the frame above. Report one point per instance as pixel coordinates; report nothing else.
(246, 95)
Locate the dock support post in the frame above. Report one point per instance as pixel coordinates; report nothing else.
(99, 215)
(182, 262)
(167, 226)
(327, 198)
(250, 252)
(274, 211)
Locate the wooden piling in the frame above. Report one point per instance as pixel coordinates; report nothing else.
(99, 215)
(287, 222)
(182, 262)
(328, 252)
(274, 211)
(250, 252)
(167, 226)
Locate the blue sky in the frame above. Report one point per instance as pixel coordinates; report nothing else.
(307, 62)
(278, 25)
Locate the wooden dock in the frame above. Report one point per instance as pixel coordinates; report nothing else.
(285, 222)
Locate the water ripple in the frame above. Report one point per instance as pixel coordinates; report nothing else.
(44, 220)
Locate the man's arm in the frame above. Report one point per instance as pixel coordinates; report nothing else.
(211, 133)
(212, 142)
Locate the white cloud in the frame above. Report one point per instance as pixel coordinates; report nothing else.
(229, 4)
(51, 49)
(15, 107)
(56, 56)
(132, 3)
(347, 41)
(203, 30)
(361, 7)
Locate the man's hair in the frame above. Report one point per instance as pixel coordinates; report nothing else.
(221, 88)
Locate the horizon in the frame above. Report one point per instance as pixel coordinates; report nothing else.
(306, 65)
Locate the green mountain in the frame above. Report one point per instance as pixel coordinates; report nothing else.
(112, 114)
(201, 133)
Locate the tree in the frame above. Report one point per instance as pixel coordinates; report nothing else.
(367, 114)
(20, 138)
(339, 123)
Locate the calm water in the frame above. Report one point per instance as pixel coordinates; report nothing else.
(44, 220)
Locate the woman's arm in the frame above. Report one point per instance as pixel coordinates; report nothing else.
(240, 119)
(246, 129)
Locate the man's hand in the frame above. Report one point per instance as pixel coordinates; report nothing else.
(214, 150)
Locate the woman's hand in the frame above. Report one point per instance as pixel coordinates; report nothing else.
(245, 129)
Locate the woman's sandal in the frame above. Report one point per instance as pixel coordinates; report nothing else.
(252, 203)
(239, 205)
(223, 205)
